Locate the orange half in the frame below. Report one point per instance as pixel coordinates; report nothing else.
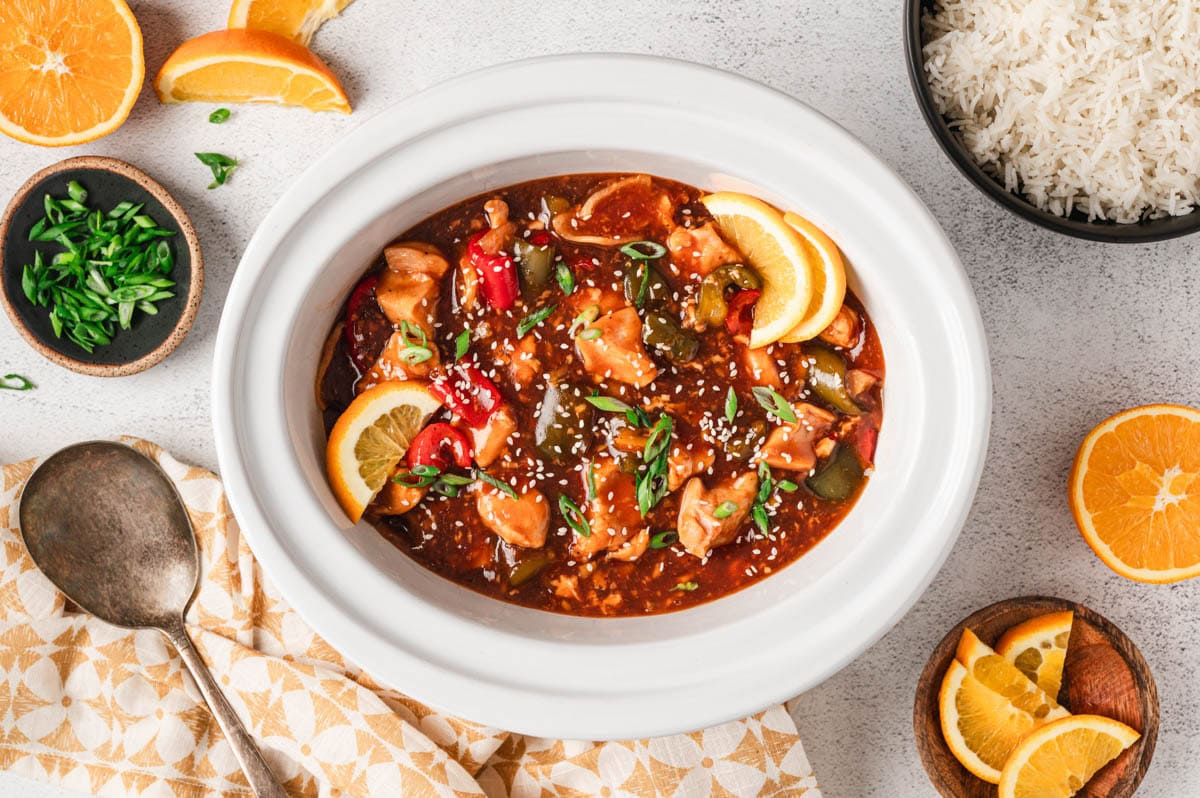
(1135, 492)
(70, 70)
(249, 66)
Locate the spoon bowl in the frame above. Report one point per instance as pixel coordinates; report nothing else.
(107, 527)
(103, 508)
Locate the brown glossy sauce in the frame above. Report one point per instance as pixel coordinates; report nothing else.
(446, 535)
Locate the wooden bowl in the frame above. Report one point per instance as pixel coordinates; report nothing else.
(108, 182)
(1104, 674)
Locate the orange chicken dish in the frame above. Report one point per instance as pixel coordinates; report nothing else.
(603, 394)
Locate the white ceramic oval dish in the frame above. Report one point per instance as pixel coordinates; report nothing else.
(554, 675)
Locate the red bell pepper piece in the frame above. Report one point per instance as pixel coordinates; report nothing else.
(357, 330)
(497, 275)
(440, 445)
(865, 440)
(740, 318)
(539, 238)
(468, 393)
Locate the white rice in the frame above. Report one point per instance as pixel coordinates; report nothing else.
(1076, 104)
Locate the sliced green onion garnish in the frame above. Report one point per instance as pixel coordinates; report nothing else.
(574, 516)
(221, 166)
(566, 279)
(462, 342)
(644, 250)
(591, 334)
(534, 319)
(495, 483)
(725, 509)
(608, 404)
(585, 317)
(218, 116)
(787, 486)
(661, 540)
(730, 405)
(15, 382)
(686, 587)
(770, 400)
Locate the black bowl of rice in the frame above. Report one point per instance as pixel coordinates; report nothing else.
(1082, 117)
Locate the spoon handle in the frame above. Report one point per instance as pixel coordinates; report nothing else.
(261, 779)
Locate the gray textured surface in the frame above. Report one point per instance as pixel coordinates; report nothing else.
(1077, 330)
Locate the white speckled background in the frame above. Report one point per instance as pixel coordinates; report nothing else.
(1077, 330)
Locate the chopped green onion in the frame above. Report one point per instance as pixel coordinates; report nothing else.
(591, 482)
(773, 403)
(566, 279)
(534, 319)
(608, 404)
(730, 405)
(686, 587)
(591, 334)
(725, 509)
(218, 116)
(653, 250)
(574, 516)
(111, 265)
(759, 514)
(495, 483)
(585, 317)
(15, 382)
(462, 342)
(662, 540)
(787, 486)
(659, 440)
(221, 166)
(416, 344)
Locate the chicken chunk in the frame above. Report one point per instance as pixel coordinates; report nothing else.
(760, 365)
(590, 297)
(858, 382)
(396, 499)
(633, 548)
(683, 463)
(790, 446)
(407, 293)
(524, 366)
(622, 211)
(490, 441)
(844, 330)
(699, 529)
(612, 514)
(522, 521)
(500, 230)
(611, 348)
(391, 365)
(700, 250)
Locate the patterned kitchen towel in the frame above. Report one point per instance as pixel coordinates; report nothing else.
(109, 711)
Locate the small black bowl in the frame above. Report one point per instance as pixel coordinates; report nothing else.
(1076, 224)
(108, 182)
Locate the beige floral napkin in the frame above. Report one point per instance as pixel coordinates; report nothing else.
(108, 711)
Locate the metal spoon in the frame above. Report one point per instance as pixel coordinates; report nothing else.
(105, 524)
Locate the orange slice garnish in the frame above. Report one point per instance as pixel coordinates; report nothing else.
(829, 279)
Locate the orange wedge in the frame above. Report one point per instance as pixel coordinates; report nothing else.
(829, 279)
(776, 252)
(370, 438)
(987, 706)
(298, 20)
(1038, 647)
(1057, 760)
(1135, 492)
(70, 70)
(249, 66)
